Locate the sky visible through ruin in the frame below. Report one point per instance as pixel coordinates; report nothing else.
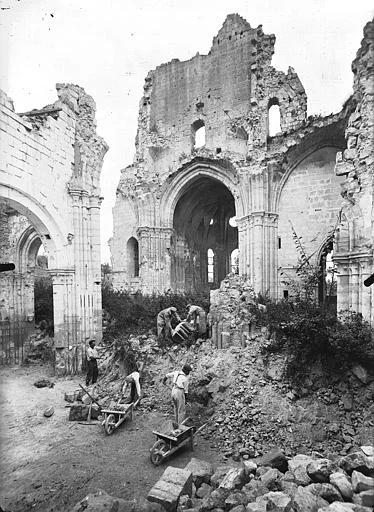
(109, 46)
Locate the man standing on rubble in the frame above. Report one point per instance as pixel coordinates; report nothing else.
(197, 317)
(92, 357)
(179, 392)
(164, 318)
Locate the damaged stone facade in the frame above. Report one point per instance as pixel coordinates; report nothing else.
(354, 243)
(187, 205)
(51, 161)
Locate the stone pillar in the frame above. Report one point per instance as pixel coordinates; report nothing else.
(65, 333)
(155, 258)
(262, 257)
(243, 245)
(367, 301)
(95, 203)
(342, 283)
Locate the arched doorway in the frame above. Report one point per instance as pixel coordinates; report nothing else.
(203, 237)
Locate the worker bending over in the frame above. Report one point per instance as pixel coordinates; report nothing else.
(133, 380)
(197, 317)
(164, 318)
(179, 392)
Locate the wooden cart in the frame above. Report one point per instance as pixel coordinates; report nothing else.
(169, 443)
(114, 418)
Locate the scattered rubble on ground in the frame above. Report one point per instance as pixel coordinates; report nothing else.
(39, 348)
(272, 483)
(248, 405)
(44, 383)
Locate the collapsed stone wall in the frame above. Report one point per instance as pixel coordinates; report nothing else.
(354, 245)
(177, 200)
(51, 163)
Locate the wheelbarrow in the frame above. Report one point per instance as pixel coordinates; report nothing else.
(113, 418)
(168, 443)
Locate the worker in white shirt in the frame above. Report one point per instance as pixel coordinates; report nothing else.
(92, 357)
(179, 392)
(133, 380)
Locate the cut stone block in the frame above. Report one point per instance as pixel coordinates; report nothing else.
(201, 471)
(173, 484)
(78, 412)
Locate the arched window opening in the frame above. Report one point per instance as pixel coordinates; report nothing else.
(198, 134)
(210, 266)
(235, 261)
(133, 257)
(274, 118)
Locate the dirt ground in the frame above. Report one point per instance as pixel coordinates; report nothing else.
(49, 464)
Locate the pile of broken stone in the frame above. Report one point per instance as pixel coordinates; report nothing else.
(275, 483)
(271, 483)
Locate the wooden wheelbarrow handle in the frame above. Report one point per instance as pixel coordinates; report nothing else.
(92, 398)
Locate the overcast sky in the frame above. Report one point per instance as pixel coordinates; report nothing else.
(108, 47)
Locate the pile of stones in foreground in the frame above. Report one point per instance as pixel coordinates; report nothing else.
(273, 483)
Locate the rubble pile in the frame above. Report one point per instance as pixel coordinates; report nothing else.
(273, 482)
(39, 347)
(277, 483)
(247, 404)
(257, 409)
(230, 310)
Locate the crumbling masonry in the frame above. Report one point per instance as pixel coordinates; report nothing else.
(50, 167)
(186, 205)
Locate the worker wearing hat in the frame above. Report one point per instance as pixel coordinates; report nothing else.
(164, 318)
(179, 391)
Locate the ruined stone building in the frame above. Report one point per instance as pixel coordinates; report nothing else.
(50, 164)
(216, 188)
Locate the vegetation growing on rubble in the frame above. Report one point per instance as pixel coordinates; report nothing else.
(137, 312)
(309, 333)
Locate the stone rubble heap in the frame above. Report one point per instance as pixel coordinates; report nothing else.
(248, 405)
(230, 309)
(272, 483)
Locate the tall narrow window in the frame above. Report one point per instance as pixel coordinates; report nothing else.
(235, 261)
(133, 257)
(274, 126)
(210, 266)
(198, 134)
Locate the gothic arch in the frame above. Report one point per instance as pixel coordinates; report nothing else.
(198, 169)
(45, 226)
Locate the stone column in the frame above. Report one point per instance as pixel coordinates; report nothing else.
(155, 258)
(262, 249)
(95, 271)
(63, 307)
(243, 245)
(342, 283)
(367, 301)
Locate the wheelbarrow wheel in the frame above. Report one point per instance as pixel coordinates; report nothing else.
(158, 451)
(110, 424)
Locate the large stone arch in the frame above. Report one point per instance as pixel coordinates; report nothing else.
(178, 183)
(43, 223)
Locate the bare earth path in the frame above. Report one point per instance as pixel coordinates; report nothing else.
(49, 464)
